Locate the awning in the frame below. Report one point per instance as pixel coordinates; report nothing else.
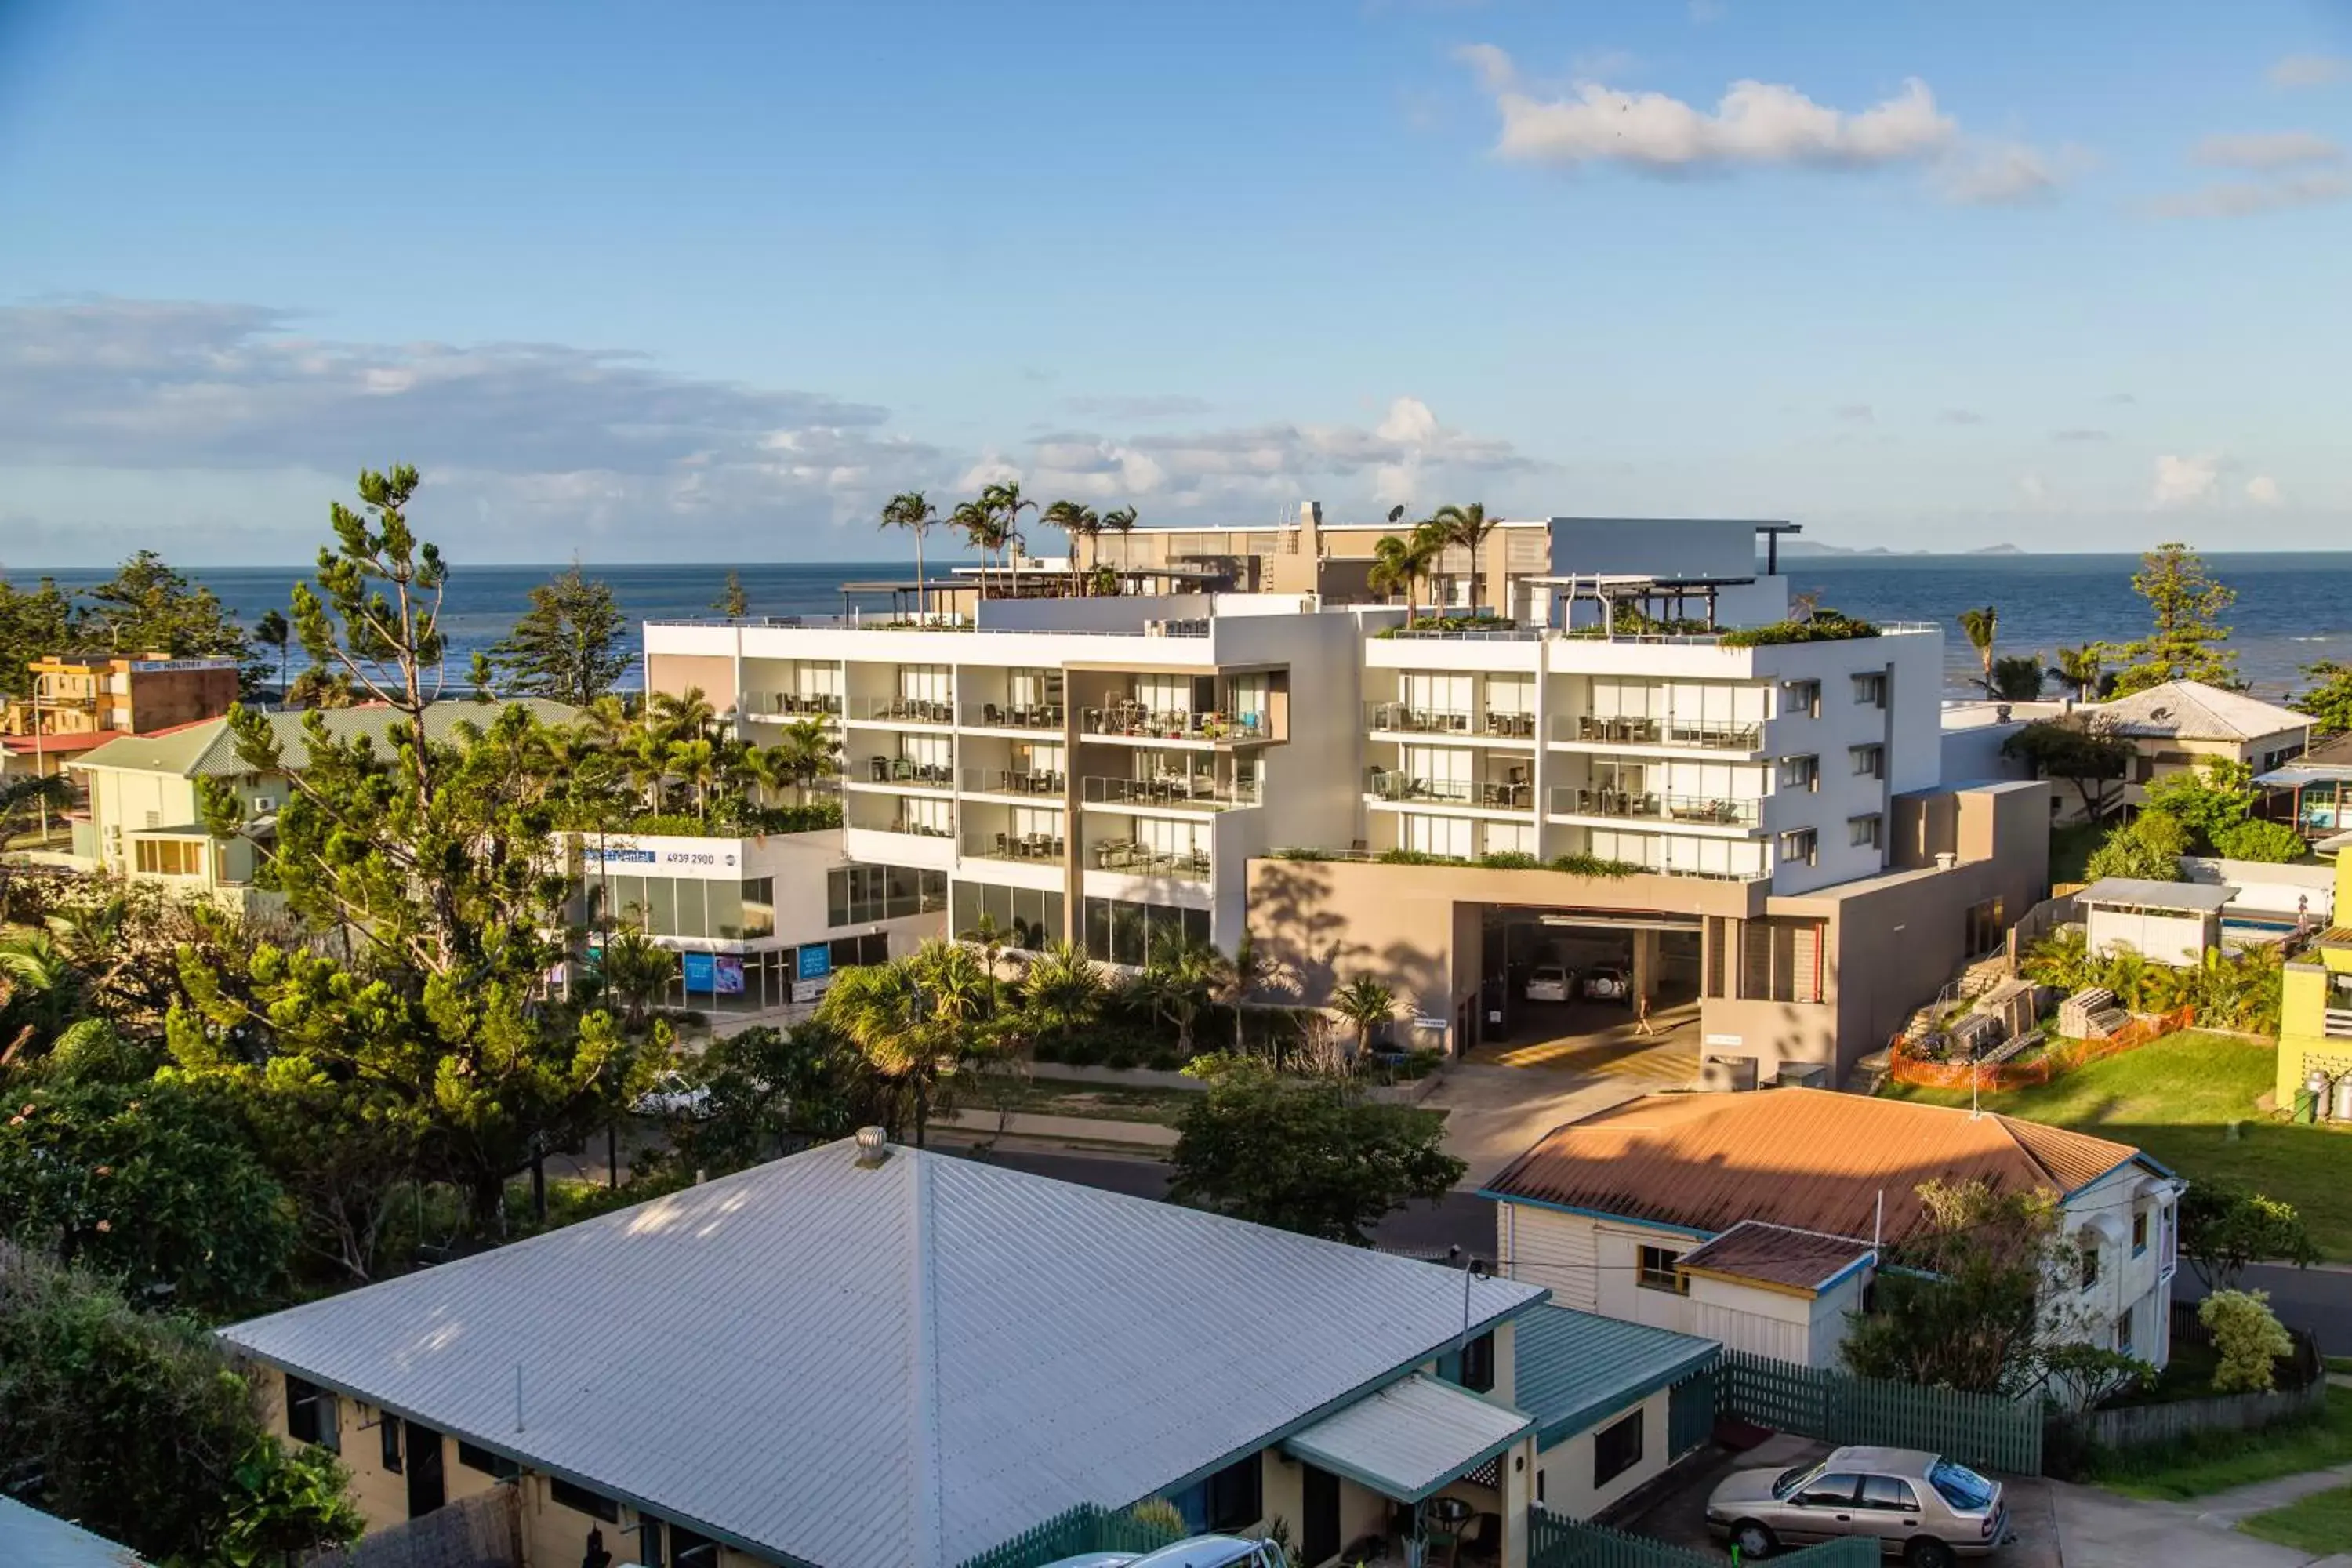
(1411, 1438)
(2296, 775)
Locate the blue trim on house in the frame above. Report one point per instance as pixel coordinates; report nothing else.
(1864, 1261)
(2138, 1157)
(1593, 1411)
(1595, 1214)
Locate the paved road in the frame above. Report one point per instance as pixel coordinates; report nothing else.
(1456, 1220)
(2316, 1301)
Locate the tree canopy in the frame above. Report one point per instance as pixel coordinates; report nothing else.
(147, 607)
(2186, 639)
(2329, 701)
(2148, 847)
(572, 643)
(2085, 751)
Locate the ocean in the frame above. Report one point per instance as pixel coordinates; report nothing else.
(2293, 608)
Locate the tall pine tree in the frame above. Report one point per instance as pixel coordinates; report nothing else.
(572, 645)
(2186, 639)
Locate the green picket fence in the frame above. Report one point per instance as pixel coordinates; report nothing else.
(1555, 1541)
(1983, 1430)
(1084, 1529)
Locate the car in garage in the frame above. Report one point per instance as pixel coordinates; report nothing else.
(1608, 984)
(1550, 982)
(1928, 1510)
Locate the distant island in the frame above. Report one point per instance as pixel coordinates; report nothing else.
(1815, 547)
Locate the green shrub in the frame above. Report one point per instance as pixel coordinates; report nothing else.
(2274, 842)
(1414, 858)
(2248, 1338)
(1595, 866)
(2148, 847)
(1822, 626)
(1510, 860)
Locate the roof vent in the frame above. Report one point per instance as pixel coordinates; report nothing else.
(872, 1147)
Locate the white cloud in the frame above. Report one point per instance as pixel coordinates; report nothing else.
(2031, 490)
(2243, 198)
(1755, 124)
(2310, 71)
(2263, 490)
(2265, 150)
(2184, 481)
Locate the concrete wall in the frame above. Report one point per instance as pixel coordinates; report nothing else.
(1567, 1466)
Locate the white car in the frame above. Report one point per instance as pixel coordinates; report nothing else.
(671, 1095)
(1548, 982)
(1608, 985)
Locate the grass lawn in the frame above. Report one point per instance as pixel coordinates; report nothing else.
(2208, 1462)
(2176, 1098)
(2320, 1523)
(1102, 1102)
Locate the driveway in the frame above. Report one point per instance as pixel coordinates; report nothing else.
(2100, 1529)
(1494, 1113)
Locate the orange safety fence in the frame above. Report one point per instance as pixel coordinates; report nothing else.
(2063, 1057)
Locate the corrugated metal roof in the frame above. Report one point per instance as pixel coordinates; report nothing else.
(31, 1539)
(1573, 1368)
(2142, 892)
(1410, 1439)
(207, 748)
(1778, 1255)
(2192, 711)
(889, 1368)
(1803, 1158)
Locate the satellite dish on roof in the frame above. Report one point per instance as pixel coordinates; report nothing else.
(1396, 511)
(2160, 714)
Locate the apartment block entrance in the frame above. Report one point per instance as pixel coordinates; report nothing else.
(1556, 982)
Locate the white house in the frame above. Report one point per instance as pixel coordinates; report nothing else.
(1757, 1220)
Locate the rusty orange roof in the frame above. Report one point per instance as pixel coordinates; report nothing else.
(1808, 1159)
(1801, 1259)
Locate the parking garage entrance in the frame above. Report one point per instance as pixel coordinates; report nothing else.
(1557, 986)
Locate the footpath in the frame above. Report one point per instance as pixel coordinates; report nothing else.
(2099, 1530)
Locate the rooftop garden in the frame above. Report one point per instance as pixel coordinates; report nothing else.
(1819, 626)
(1500, 861)
(669, 767)
(1440, 625)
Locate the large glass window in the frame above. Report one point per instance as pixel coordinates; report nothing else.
(759, 898)
(1029, 920)
(859, 894)
(1119, 931)
(1617, 1449)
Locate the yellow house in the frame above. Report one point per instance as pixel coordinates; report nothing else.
(2314, 1051)
(2182, 724)
(869, 1357)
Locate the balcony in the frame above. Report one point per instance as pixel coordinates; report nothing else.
(1011, 781)
(1042, 848)
(1645, 806)
(1403, 719)
(788, 705)
(1048, 716)
(899, 710)
(1185, 791)
(1143, 724)
(1705, 735)
(920, 829)
(1134, 860)
(1385, 783)
(901, 772)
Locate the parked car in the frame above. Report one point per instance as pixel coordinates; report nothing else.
(1925, 1509)
(672, 1095)
(1199, 1552)
(1608, 984)
(1550, 982)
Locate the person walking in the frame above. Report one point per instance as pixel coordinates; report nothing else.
(1642, 1025)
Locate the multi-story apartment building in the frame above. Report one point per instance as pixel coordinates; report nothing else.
(1737, 820)
(80, 702)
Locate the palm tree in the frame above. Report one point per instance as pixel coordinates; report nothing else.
(41, 990)
(1004, 500)
(1239, 976)
(912, 1018)
(1364, 1004)
(990, 938)
(685, 716)
(1980, 625)
(805, 753)
(1469, 527)
(1077, 522)
(1182, 977)
(1064, 990)
(696, 765)
(911, 512)
(2080, 669)
(982, 529)
(636, 972)
(1119, 520)
(271, 631)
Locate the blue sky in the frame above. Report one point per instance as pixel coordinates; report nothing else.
(664, 282)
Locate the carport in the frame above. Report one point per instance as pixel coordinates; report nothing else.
(1660, 952)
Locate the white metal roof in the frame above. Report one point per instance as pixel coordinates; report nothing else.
(2192, 711)
(2139, 892)
(1410, 1439)
(897, 1367)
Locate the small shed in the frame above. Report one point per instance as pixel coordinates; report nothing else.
(2165, 922)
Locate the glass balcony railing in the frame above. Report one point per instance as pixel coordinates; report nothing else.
(901, 770)
(1135, 859)
(1014, 715)
(1404, 719)
(1706, 734)
(1042, 847)
(899, 710)
(1015, 781)
(1647, 805)
(1389, 785)
(1191, 792)
(1187, 724)
(789, 705)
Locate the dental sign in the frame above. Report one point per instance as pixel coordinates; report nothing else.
(712, 859)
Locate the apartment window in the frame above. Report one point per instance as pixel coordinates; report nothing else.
(2090, 1276)
(2123, 1333)
(170, 857)
(1030, 919)
(1870, 688)
(1800, 772)
(2140, 1233)
(580, 1500)
(487, 1463)
(310, 1415)
(1799, 846)
(1869, 762)
(1804, 698)
(1863, 832)
(759, 907)
(1119, 931)
(1616, 1449)
(1478, 1363)
(1658, 1273)
(387, 1432)
(860, 895)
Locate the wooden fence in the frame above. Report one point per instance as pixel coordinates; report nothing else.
(1983, 1430)
(2137, 1425)
(1555, 1541)
(484, 1531)
(1085, 1528)
(2063, 909)
(1904, 1065)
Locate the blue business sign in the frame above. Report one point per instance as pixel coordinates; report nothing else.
(701, 972)
(815, 961)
